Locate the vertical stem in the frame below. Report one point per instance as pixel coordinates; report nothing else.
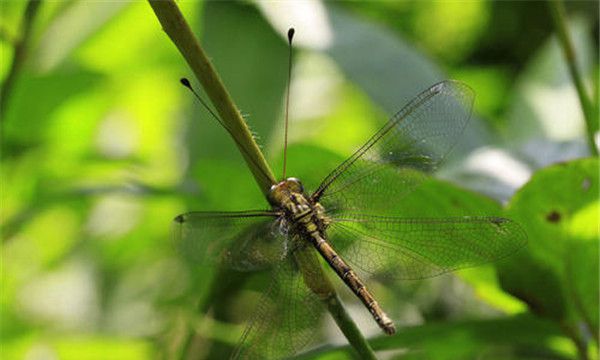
(349, 328)
(558, 15)
(182, 36)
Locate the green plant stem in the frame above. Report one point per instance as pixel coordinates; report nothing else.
(560, 23)
(182, 36)
(20, 53)
(349, 328)
(180, 33)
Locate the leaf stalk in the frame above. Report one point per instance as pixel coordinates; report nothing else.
(557, 10)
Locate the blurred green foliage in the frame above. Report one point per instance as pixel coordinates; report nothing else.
(101, 148)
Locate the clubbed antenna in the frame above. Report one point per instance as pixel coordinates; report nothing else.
(185, 82)
(290, 36)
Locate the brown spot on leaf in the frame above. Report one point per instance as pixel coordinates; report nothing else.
(553, 216)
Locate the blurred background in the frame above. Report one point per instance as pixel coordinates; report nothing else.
(101, 147)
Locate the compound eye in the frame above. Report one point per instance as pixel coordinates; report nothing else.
(295, 185)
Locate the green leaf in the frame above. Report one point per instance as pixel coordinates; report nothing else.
(26, 125)
(252, 61)
(228, 189)
(467, 340)
(582, 266)
(557, 275)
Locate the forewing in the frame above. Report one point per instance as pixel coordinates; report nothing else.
(418, 248)
(286, 317)
(245, 240)
(398, 157)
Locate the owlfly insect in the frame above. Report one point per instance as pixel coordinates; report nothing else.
(346, 221)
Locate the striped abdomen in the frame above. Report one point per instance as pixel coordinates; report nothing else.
(346, 273)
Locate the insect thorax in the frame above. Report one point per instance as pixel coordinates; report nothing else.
(299, 212)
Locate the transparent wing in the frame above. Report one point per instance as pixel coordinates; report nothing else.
(245, 240)
(423, 247)
(397, 158)
(286, 318)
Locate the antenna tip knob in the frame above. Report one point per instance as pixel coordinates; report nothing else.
(185, 82)
(290, 34)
